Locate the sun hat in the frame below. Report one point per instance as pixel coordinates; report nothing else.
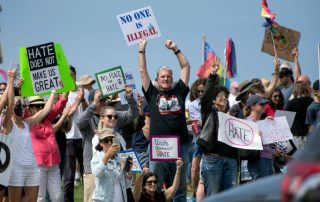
(36, 100)
(85, 80)
(243, 88)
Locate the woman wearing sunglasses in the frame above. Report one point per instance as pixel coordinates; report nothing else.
(276, 102)
(111, 181)
(44, 144)
(145, 188)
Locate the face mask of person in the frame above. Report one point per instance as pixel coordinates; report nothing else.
(18, 108)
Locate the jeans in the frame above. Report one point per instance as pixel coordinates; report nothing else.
(218, 174)
(163, 169)
(260, 168)
(74, 152)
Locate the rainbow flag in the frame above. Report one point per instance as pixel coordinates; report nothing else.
(266, 12)
(231, 61)
(204, 70)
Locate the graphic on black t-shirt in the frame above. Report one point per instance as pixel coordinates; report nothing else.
(168, 105)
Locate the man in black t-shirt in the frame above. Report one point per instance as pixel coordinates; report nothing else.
(167, 112)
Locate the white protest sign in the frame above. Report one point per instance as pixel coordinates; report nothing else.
(111, 81)
(44, 69)
(276, 130)
(289, 116)
(136, 163)
(239, 133)
(7, 152)
(129, 81)
(164, 148)
(138, 25)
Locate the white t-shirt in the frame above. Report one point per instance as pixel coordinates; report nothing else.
(74, 132)
(24, 152)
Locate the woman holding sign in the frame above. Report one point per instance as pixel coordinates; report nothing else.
(111, 181)
(145, 188)
(6, 100)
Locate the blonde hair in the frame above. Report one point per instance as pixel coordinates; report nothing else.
(101, 127)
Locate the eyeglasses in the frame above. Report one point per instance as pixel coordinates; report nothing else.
(152, 182)
(107, 140)
(110, 116)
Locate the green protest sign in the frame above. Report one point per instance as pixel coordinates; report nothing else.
(111, 81)
(42, 68)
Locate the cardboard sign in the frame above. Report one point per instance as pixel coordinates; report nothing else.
(42, 67)
(285, 40)
(289, 116)
(136, 163)
(239, 133)
(111, 81)
(7, 153)
(164, 148)
(129, 81)
(138, 25)
(276, 130)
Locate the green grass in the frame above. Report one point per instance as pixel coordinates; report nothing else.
(78, 193)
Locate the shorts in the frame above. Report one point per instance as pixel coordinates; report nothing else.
(24, 176)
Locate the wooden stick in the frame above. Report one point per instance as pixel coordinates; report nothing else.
(274, 45)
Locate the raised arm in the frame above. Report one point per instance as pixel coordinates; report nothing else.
(62, 119)
(170, 192)
(275, 78)
(145, 78)
(40, 115)
(184, 64)
(138, 185)
(207, 98)
(9, 96)
(78, 100)
(297, 69)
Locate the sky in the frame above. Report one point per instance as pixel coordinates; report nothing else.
(92, 39)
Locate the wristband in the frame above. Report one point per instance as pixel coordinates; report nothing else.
(177, 52)
(54, 91)
(142, 51)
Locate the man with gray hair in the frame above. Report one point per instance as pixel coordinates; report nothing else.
(167, 112)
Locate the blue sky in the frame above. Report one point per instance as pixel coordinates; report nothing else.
(92, 39)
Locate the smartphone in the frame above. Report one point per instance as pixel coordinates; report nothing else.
(116, 141)
(127, 164)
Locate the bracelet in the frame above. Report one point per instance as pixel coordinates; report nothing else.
(142, 51)
(177, 52)
(178, 173)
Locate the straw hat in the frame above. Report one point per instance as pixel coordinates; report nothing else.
(85, 80)
(36, 100)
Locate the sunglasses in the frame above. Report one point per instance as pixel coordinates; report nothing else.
(107, 140)
(152, 182)
(109, 116)
(36, 106)
(276, 96)
(200, 91)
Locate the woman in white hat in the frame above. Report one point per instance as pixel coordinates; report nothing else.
(111, 181)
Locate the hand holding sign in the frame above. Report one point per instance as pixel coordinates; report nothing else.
(142, 45)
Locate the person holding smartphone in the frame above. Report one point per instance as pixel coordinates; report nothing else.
(111, 181)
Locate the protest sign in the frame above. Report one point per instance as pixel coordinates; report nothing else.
(138, 25)
(289, 116)
(276, 130)
(129, 81)
(136, 163)
(111, 81)
(42, 68)
(238, 133)
(285, 40)
(164, 148)
(7, 153)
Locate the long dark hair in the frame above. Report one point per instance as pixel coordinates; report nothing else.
(272, 104)
(144, 181)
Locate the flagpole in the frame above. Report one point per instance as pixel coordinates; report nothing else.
(319, 61)
(203, 48)
(226, 66)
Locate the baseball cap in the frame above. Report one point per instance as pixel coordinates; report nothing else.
(255, 99)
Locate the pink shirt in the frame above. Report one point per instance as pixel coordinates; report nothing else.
(43, 139)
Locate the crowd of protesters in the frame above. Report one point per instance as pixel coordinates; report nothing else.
(79, 133)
